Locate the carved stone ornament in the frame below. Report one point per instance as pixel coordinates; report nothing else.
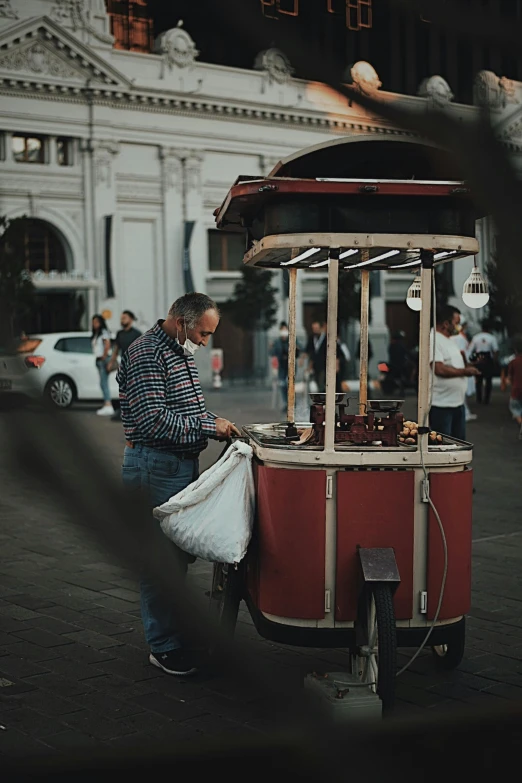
(7, 11)
(104, 151)
(172, 167)
(437, 91)
(177, 47)
(88, 15)
(493, 92)
(193, 168)
(364, 77)
(35, 57)
(275, 64)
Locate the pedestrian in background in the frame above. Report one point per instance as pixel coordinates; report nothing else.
(484, 350)
(399, 361)
(124, 338)
(462, 340)
(280, 352)
(447, 413)
(316, 353)
(514, 380)
(101, 346)
(343, 361)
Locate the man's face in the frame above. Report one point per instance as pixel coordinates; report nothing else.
(316, 327)
(455, 323)
(450, 327)
(203, 330)
(125, 321)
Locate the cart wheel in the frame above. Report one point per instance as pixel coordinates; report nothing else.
(377, 660)
(449, 656)
(225, 596)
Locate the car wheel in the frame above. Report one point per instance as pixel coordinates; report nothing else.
(61, 391)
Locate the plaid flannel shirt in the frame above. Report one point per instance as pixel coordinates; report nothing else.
(162, 405)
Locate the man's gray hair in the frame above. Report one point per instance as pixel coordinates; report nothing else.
(192, 307)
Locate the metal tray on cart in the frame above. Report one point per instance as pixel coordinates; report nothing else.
(273, 435)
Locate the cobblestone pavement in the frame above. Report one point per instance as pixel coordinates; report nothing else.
(73, 664)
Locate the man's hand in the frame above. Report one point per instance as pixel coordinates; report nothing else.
(225, 429)
(471, 371)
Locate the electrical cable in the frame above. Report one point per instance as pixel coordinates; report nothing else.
(430, 501)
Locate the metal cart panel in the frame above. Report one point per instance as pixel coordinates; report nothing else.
(291, 542)
(452, 495)
(375, 508)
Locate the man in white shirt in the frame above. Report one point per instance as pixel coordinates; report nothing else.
(462, 340)
(484, 347)
(448, 413)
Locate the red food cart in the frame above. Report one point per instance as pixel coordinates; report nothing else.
(363, 536)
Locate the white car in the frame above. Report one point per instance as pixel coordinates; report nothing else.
(60, 366)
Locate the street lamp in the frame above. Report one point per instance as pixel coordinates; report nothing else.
(475, 293)
(413, 297)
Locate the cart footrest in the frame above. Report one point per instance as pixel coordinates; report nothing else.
(379, 565)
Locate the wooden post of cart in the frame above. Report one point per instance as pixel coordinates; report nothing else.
(331, 349)
(365, 314)
(424, 346)
(292, 339)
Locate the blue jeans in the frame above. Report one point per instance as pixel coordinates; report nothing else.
(159, 476)
(449, 421)
(101, 365)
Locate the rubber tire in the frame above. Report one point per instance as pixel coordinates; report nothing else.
(225, 607)
(386, 645)
(47, 391)
(455, 649)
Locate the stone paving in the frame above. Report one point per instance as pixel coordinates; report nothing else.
(73, 663)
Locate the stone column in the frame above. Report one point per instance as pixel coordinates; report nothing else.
(172, 228)
(104, 203)
(53, 151)
(194, 210)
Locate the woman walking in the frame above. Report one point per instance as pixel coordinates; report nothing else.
(101, 346)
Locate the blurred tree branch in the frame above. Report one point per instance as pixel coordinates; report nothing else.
(16, 287)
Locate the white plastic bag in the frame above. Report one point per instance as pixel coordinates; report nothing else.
(212, 518)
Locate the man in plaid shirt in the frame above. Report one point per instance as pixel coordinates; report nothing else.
(166, 427)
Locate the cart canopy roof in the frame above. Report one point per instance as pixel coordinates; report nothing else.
(371, 157)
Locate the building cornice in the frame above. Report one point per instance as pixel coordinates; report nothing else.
(181, 105)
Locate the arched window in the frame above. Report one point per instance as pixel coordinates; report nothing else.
(43, 246)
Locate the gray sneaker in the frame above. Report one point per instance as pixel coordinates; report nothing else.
(173, 662)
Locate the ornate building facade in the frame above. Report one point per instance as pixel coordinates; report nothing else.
(111, 154)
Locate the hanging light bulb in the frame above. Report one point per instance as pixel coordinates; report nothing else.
(475, 293)
(413, 297)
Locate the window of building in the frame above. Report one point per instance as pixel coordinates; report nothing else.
(225, 251)
(131, 25)
(64, 151)
(41, 245)
(28, 149)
